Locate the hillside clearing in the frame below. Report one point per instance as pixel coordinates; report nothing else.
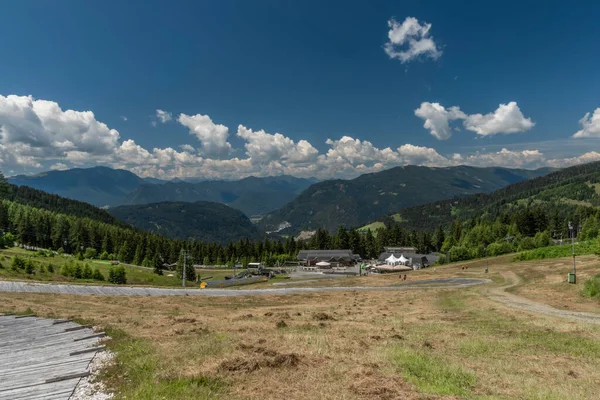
(418, 344)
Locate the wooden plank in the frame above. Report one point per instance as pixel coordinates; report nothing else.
(42, 359)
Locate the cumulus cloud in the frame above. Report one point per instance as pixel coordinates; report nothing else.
(163, 116)
(37, 134)
(437, 118)
(507, 118)
(59, 167)
(32, 129)
(187, 148)
(410, 40)
(213, 137)
(567, 162)
(503, 158)
(590, 125)
(263, 147)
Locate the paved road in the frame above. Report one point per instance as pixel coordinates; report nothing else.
(29, 287)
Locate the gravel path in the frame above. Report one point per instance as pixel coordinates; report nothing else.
(499, 294)
(29, 287)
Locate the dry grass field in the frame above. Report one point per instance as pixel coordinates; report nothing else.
(409, 344)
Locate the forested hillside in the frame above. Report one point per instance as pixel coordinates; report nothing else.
(100, 186)
(202, 221)
(353, 203)
(52, 202)
(558, 194)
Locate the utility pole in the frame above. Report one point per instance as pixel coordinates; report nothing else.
(184, 253)
(573, 249)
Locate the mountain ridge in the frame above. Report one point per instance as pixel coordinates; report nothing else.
(355, 202)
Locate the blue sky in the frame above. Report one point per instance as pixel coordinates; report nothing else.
(310, 71)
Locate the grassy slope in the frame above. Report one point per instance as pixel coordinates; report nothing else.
(350, 345)
(135, 275)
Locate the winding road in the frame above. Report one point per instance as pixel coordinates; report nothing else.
(500, 294)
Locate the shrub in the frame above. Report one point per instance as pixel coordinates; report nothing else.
(60, 250)
(41, 253)
(90, 253)
(29, 267)
(87, 272)
(42, 269)
(104, 255)
(17, 263)
(50, 268)
(591, 288)
(80, 257)
(66, 270)
(117, 275)
(526, 243)
(459, 253)
(97, 275)
(78, 271)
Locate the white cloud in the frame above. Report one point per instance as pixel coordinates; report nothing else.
(263, 147)
(59, 167)
(410, 40)
(507, 118)
(503, 158)
(33, 129)
(187, 148)
(213, 137)
(163, 116)
(38, 134)
(437, 118)
(124, 118)
(590, 125)
(582, 159)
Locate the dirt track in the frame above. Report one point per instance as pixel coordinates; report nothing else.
(511, 300)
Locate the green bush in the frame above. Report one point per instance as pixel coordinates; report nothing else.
(117, 275)
(104, 255)
(97, 275)
(591, 288)
(87, 272)
(526, 243)
(17, 263)
(42, 269)
(50, 268)
(29, 266)
(78, 271)
(90, 253)
(459, 253)
(65, 270)
(80, 257)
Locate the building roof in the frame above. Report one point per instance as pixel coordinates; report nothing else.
(325, 255)
(391, 249)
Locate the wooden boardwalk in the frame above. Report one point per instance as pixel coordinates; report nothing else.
(43, 358)
(30, 287)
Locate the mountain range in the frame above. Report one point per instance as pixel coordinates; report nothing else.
(202, 221)
(560, 192)
(100, 186)
(288, 204)
(355, 202)
(253, 196)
